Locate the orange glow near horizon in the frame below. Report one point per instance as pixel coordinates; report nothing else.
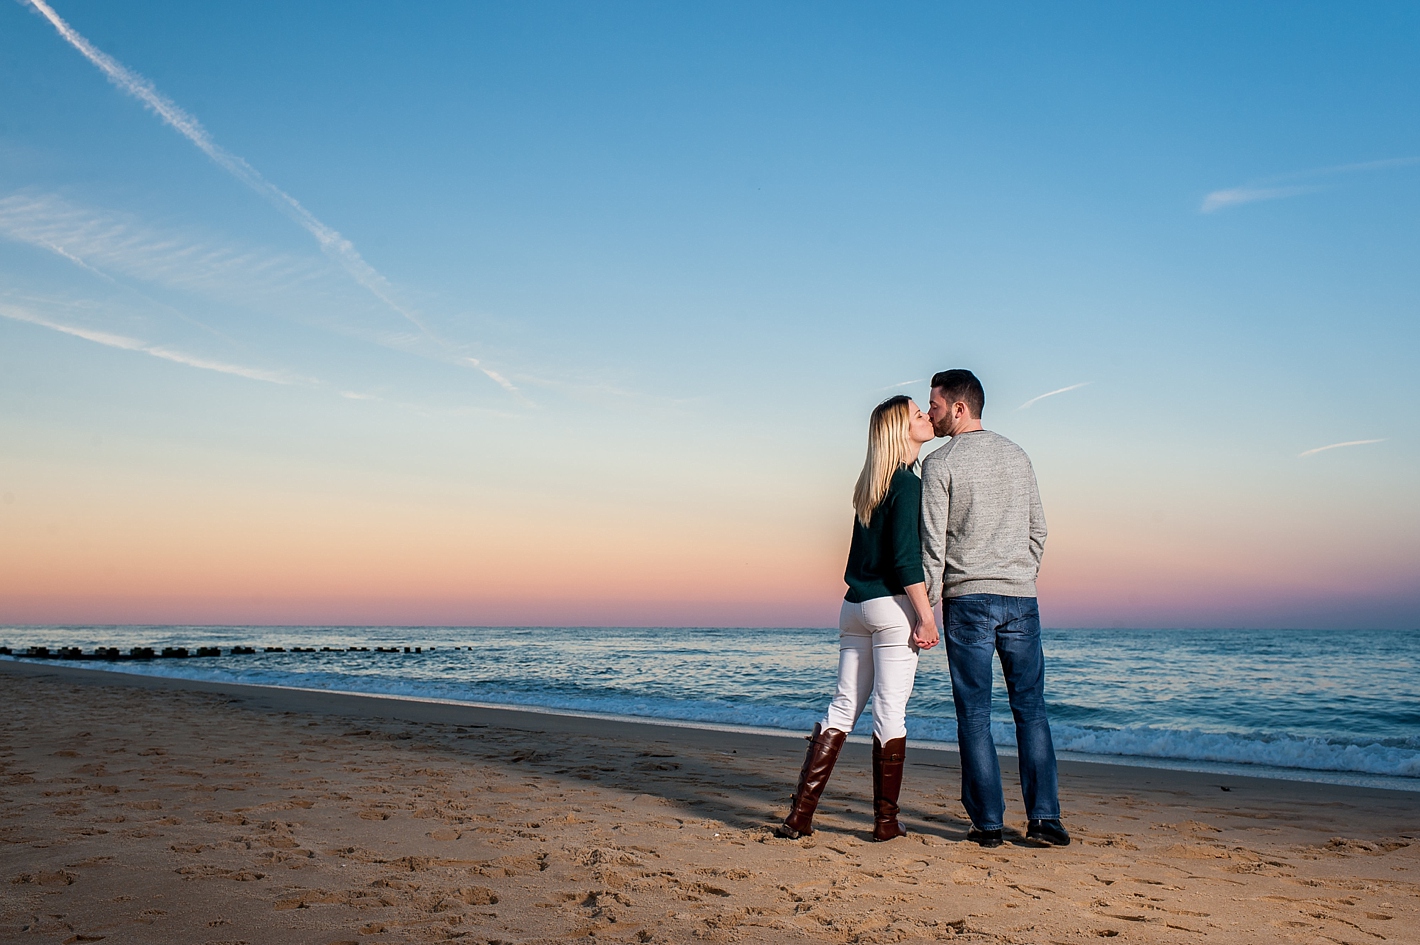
(293, 558)
(141, 541)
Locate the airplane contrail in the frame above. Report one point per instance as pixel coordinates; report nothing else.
(1271, 188)
(1062, 390)
(1334, 446)
(331, 242)
(111, 340)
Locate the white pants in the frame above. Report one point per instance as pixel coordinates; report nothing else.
(875, 657)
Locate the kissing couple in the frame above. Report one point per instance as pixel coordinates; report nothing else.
(969, 534)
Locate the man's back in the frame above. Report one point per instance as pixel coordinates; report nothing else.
(983, 534)
(983, 528)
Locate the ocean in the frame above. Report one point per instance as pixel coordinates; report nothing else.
(1329, 705)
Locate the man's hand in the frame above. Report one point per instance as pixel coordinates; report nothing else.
(925, 636)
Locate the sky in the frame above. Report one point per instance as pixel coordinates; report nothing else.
(567, 314)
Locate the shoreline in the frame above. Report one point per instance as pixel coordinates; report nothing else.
(1206, 768)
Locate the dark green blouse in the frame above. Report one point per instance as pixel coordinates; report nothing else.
(886, 556)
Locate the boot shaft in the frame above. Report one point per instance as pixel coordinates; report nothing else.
(822, 755)
(888, 761)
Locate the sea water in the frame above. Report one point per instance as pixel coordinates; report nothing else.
(1324, 705)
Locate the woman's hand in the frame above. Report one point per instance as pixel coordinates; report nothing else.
(924, 636)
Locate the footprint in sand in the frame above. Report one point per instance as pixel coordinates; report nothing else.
(1342, 846)
(46, 878)
(971, 876)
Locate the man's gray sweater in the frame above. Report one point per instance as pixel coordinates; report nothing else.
(983, 528)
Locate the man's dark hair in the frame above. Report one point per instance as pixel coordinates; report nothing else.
(961, 385)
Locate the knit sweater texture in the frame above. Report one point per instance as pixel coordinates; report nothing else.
(983, 527)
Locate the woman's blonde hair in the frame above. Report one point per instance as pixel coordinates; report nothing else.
(888, 447)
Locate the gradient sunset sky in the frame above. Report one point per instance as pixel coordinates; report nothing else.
(573, 313)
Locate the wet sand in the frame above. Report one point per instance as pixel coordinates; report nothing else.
(144, 810)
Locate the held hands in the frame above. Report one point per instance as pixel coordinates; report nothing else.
(924, 631)
(924, 635)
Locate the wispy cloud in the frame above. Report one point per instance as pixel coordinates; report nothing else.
(331, 242)
(167, 353)
(1382, 165)
(1278, 187)
(109, 244)
(1063, 390)
(1337, 446)
(903, 384)
(102, 242)
(1233, 196)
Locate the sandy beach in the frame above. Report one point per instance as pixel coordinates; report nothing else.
(165, 811)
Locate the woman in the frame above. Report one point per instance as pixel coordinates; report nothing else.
(885, 620)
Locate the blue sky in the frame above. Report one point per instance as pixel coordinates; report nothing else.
(696, 244)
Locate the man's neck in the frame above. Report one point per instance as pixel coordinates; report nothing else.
(971, 426)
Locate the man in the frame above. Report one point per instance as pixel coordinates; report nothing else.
(983, 534)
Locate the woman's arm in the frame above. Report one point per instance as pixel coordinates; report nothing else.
(925, 633)
(907, 557)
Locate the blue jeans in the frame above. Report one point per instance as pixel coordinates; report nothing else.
(977, 625)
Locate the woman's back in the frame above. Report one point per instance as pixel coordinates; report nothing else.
(886, 555)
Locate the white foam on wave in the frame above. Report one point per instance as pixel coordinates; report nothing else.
(1281, 751)
(1276, 751)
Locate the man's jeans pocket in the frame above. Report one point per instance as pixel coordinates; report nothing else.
(969, 620)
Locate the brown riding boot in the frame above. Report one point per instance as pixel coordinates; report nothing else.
(824, 746)
(887, 785)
